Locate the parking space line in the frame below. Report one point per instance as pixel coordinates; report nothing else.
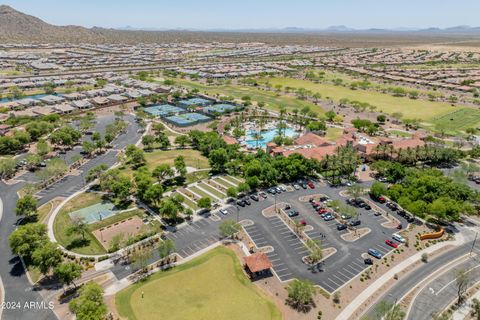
(324, 284)
(350, 272)
(343, 281)
(273, 260)
(288, 231)
(298, 247)
(357, 271)
(330, 279)
(341, 274)
(278, 265)
(302, 252)
(282, 270)
(290, 240)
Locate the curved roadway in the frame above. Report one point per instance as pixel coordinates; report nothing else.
(16, 284)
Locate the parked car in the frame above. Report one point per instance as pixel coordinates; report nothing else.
(283, 188)
(278, 190)
(399, 227)
(390, 243)
(223, 211)
(355, 223)
(263, 195)
(303, 185)
(409, 218)
(296, 186)
(392, 206)
(328, 217)
(303, 222)
(376, 214)
(311, 185)
(254, 197)
(241, 203)
(398, 238)
(367, 207)
(247, 202)
(341, 226)
(345, 217)
(324, 199)
(292, 213)
(368, 261)
(375, 253)
(381, 200)
(322, 210)
(272, 191)
(402, 213)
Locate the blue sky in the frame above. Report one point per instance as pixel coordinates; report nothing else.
(235, 14)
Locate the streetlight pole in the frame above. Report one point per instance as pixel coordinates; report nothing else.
(236, 207)
(275, 197)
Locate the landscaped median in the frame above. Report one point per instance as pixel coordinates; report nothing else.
(214, 286)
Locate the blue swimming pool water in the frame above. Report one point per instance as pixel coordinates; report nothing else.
(267, 136)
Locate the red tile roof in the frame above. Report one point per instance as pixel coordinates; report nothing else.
(311, 139)
(408, 143)
(317, 153)
(257, 262)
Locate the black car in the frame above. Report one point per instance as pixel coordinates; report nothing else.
(354, 223)
(368, 261)
(367, 207)
(272, 191)
(409, 218)
(241, 203)
(247, 202)
(402, 213)
(341, 226)
(254, 197)
(287, 206)
(323, 199)
(392, 206)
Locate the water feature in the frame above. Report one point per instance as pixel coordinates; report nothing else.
(267, 136)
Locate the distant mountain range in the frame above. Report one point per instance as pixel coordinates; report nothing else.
(16, 26)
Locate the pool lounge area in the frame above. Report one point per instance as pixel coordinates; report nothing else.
(267, 136)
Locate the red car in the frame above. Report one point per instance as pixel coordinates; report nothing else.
(391, 243)
(322, 210)
(303, 222)
(311, 185)
(382, 200)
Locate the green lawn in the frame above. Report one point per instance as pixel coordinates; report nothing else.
(187, 201)
(193, 158)
(231, 179)
(196, 176)
(420, 109)
(63, 222)
(212, 286)
(199, 192)
(223, 183)
(399, 133)
(212, 190)
(457, 121)
(272, 100)
(333, 133)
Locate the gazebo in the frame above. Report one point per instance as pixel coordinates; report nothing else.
(257, 264)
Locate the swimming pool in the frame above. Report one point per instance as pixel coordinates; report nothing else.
(267, 136)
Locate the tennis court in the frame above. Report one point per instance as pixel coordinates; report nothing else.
(220, 108)
(187, 119)
(195, 102)
(95, 213)
(163, 110)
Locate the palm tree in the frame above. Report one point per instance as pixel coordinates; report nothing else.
(257, 136)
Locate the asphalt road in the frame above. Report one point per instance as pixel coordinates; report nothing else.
(404, 284)
(440, 292)
(17, 287)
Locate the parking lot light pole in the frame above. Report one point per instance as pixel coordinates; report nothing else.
(275, 197)
(236, 207)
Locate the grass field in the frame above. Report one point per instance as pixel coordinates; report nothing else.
(272, 100)
(333, 134)
(212, 190)
(199, 192)
(400, 133)
(63, 222)
(213, 286)
(456, 121)
(193, 158)
(420, 109)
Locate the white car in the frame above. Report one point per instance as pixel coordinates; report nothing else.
(296, 186)
(398, 238)
(223, 211)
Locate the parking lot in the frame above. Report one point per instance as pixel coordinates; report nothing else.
(288, 249)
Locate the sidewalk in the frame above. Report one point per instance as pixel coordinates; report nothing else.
(350, 309)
